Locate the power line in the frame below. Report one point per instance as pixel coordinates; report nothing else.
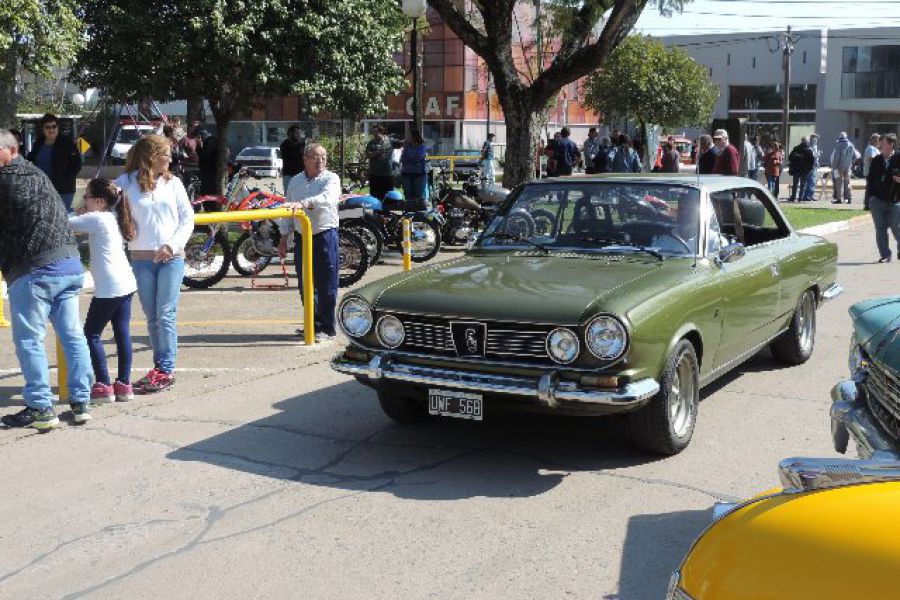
(786, 18)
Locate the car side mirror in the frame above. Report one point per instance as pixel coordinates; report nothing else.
(732, 252)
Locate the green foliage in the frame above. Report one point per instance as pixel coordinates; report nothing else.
(646, 82)
(42, 33)
(355, 151)
(339, 54)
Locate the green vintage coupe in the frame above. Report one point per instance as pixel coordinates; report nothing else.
(595, 295)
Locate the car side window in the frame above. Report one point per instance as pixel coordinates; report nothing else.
(715, 240)
(749, 216)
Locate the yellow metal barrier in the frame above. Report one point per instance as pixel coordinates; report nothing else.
(452, 159)
(3, 321)
(243, 216)
(407, 244)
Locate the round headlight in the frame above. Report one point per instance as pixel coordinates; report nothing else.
(390, 331)
(606, 338)
(356, 317)
(563, 345)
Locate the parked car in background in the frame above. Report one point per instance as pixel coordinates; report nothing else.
(866, 407)
(125, 138)
(595, 295)
(466, 162)
(261, 161)
(830, 533)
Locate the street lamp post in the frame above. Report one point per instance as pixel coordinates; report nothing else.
(415, 10)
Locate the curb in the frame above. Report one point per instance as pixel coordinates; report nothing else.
(835, 226)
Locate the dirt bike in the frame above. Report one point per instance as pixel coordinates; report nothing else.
(258, 245)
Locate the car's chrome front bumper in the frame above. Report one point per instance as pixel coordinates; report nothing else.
(851, 417)
(548, 389)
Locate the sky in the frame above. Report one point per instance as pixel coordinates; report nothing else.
(713, 16)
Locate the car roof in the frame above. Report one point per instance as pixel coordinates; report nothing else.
(713, 183)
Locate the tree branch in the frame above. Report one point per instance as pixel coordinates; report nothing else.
(460, 25)
(589, 58)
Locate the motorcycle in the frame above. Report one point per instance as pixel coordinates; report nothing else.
(381, 223)
(258, 244)
(467, 210)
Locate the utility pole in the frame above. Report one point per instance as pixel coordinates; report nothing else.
(487, 106)
(788, 48)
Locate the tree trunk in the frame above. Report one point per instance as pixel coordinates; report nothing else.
(195, 111)
(522, 131)
(223, 124)
(9, 100)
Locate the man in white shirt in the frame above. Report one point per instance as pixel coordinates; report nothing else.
(317, 191)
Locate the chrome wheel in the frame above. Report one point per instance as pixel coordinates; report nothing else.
(682, 397)
(806, 322)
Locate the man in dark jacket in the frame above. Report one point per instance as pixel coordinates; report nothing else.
(291, 155)
(801, 161)
(58, 158)
(883, 192)
(40, 262)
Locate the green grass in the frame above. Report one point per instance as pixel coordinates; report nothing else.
(801, 218)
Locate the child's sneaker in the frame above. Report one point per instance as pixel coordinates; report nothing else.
(81, 412)
(123, 391)
(41, 419)
(160, 381)
(102, 393)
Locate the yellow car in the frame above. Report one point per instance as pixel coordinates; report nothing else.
(831, 533)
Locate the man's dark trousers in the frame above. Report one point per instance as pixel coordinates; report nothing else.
(325, 259)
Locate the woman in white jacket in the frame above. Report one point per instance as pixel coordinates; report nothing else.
(164, 220)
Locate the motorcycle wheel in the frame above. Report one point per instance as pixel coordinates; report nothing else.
(205, 267)
(372, 239)
(544, 222)
(353, 259)
(519, 224)
(425, 239)
(245, 259)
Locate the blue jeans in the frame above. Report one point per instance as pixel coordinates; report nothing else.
(32, 300)
(886, 215)
(810, 186)
(101, 312)
(326, 262)
(159, 285)
(67, 200)
(773, 182)
(413, 186)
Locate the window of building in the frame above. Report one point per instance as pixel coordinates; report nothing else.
(762, 106)
(728, 59)
(754, 62)
(804, 57)
(870, 72)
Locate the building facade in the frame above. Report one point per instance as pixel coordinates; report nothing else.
(841, 80)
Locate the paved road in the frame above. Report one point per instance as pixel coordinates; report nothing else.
(265, 475)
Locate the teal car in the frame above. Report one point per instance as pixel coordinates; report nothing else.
(866, 407)
(594, 295)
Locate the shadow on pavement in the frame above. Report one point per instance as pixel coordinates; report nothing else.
(654, 547)
(338, 437)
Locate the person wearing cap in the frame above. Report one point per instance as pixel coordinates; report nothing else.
(729, 159)
(842, 158)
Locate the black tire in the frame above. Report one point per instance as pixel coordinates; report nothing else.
(425, 240)
(795, 346)
(519, 224)
(353, 258)
(403, 405)
(371, 237)
(544, 222)
(205, 269)
(665, 425)
(245, 259)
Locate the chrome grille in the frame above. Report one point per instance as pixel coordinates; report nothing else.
(505, 341)
(883, 395)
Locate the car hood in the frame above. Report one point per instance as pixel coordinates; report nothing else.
(530, 287)
(877, 325)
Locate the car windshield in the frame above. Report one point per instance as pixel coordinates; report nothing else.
(614, 216)
(255, 152)
(129, 135)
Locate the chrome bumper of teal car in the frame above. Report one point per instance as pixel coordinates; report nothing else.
(548, 389)
(851, 417)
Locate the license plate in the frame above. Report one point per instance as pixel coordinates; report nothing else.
(461, 405)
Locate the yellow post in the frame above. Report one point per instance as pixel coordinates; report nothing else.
(407, 245)
(3, 321)
(241, 216)
(62, 373)
(309, 334)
